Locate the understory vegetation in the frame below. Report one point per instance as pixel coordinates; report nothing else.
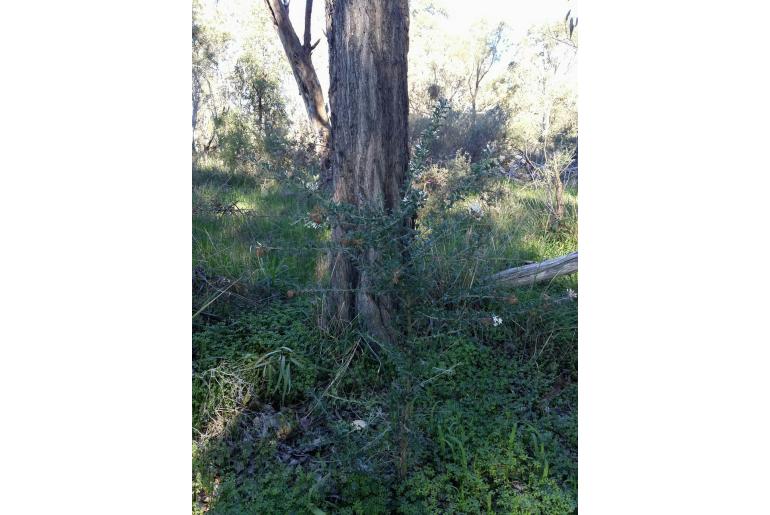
(474, 412)
(474, 408)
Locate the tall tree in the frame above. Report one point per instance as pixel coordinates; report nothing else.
(488, 49)
(368, 45)
(364, 144)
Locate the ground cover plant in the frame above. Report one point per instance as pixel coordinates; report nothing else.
(474, 412)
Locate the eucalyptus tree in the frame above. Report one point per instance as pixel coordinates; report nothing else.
(363, 141)
(208, 46)
(539, 93)
(299, 54)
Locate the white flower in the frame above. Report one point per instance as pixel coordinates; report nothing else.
(496, 320)
(571, 293)
(358, 425)
(475, 209)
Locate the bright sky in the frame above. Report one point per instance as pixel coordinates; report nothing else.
(519, 15)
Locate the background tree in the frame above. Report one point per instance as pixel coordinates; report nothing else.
(241, 117)
(431, 55)
(257, 94)
(488, 46)
(254, 128)
(459, 68)
(541, 101)
(299, 55)
(208, 45)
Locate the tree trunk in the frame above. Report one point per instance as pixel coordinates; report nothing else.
(301, 63)
(473, 112)
(196, 100)
(260, 117)
(368, 44)
(559, 193)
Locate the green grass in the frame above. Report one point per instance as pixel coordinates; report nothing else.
(244, 228)
(519, 227)
(462, 416)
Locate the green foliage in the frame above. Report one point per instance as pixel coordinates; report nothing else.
(459, 70)
(238, 145)
(538, 91)
(464, 416)
(251, 239)
(207, 47)
(257, 92)
(486, 445)
(464, 133)
(250, 359)
(239, 113)
(457, 66)
(473, 412)
(490, 425)
(234, 486)
(363, 494)
(252, 130)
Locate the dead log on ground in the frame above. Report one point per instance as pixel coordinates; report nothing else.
(538, 272)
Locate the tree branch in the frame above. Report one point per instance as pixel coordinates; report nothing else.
(305, 75)
(272, 13)
(308, 13)
(301, 65)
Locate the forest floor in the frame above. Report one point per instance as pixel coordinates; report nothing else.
(475, 411)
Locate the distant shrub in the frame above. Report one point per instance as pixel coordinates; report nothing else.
(460, 135)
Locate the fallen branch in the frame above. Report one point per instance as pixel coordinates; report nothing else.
(538, 272)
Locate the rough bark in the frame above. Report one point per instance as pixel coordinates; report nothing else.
(368, 45)
(537, 272)
(299, 56)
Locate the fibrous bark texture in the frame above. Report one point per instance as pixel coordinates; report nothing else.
(368, 44)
